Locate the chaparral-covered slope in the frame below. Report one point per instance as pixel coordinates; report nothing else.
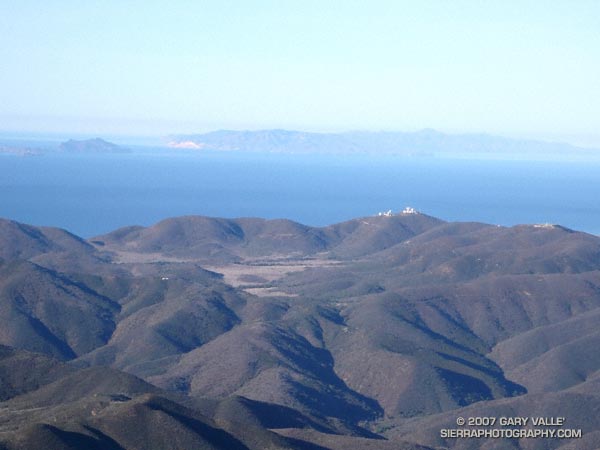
(372, 333)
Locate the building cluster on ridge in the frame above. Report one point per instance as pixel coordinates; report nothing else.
(405, 211)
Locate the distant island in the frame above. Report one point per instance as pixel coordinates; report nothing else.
(96, 145)
(426, 142)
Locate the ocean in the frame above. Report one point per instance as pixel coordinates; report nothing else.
(94, 194)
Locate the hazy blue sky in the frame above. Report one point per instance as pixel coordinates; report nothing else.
(511, 67)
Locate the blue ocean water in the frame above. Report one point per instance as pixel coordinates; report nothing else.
(94, 194)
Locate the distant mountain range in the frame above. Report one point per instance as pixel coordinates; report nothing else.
(375, 333)
(425, 142)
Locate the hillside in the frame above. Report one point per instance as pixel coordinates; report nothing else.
(101, 408)
(372, 333)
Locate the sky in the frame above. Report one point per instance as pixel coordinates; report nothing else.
(517, 68)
